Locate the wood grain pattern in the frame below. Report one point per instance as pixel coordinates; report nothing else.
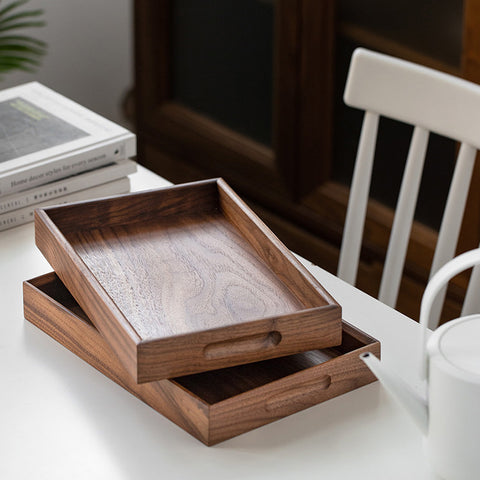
(186, 279)
(187, 266)
(217, 405)
(270, 248)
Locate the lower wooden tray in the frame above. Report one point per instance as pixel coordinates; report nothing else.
(216, 405)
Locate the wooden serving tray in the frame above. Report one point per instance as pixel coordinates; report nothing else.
(185, 279)
(212, 406)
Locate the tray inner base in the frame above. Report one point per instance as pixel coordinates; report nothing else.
(198, 269)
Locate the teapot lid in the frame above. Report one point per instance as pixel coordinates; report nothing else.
(459, 343)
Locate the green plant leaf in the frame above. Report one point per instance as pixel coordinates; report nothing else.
(19, 59)
(26, 13)
(20, 51)
(5, 48)
(15, 26)
(14, 62)
(11, 6)
(4, 22)
(22, 39)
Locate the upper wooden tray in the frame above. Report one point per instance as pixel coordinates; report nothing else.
(185, 279)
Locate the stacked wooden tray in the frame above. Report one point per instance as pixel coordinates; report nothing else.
(186, 299)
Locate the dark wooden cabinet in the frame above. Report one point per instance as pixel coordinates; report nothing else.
(251, 90)
(288, 160)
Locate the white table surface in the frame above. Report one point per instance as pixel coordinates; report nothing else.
(61, 419)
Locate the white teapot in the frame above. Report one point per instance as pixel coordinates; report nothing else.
(449, 416)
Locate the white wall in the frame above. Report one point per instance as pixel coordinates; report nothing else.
(90, 52)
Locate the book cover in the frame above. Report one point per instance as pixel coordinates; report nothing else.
(68, 185)
(45, 136)
(26, 215)
(27, 128)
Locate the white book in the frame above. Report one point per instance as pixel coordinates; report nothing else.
(67, 185)
(26, 215)
(45, 136)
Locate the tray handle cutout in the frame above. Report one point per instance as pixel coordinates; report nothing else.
(243, 345)
(299, 397)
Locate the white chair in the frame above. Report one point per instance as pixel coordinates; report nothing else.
(431, 101)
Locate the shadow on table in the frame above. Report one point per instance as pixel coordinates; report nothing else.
(142, 441)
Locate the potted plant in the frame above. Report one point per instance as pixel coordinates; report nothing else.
(18, 50)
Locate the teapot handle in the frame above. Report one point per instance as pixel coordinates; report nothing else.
(442, 276)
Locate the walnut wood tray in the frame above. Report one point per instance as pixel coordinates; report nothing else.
(216, 405)
(185, 279)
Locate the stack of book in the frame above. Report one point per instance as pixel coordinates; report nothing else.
(53, 151)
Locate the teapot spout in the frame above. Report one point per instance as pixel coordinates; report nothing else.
(415, 405)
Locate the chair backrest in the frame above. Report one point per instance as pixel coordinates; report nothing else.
(431, 101)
